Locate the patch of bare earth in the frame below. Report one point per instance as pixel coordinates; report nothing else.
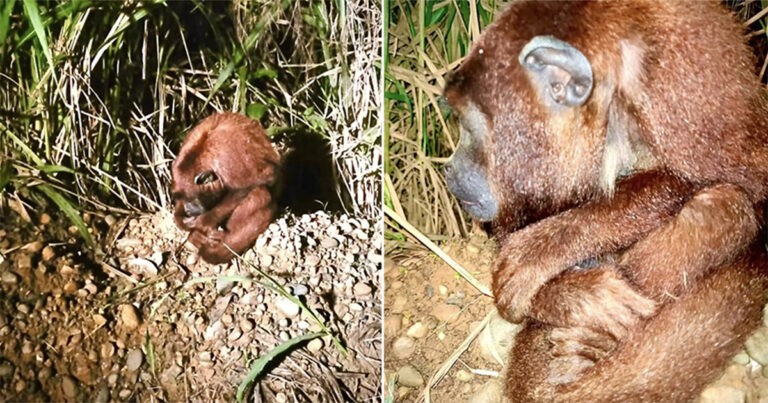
(147, 321)
(430, 312)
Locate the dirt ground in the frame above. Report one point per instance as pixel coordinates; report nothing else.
(146, 321)
(430, 311)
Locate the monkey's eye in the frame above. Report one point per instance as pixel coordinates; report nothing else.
(205, 177)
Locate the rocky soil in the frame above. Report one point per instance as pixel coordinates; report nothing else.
(430, 311)
(145, 320)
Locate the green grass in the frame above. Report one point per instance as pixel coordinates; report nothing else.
(96, 96)
(427, 39)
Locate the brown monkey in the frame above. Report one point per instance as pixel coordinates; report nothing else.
(621, 150)
(224, 180)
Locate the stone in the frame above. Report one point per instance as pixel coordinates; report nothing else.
(417, 330)
(134, 359)
(409, 376)
(445, 312)
(129, 317)
(722, 394)
(287, 307)
(392, 325)
(362, 289)
(403, 347)
(48, 253)
(315, 345)
(491, 391)
(69, 386)
(757, 346)
(9, 277)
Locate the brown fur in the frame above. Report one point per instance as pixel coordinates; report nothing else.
(659, 178)
(236, 206)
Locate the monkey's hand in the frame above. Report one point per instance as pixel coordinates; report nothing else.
(205, 237)
(574, 350)
(525, 264)
(598, 299)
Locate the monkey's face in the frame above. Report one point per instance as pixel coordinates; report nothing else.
(531, 142)
(194, 192)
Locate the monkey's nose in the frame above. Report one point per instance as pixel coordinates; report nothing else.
(192, 209)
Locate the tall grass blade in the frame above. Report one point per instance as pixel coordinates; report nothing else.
(258, 366)
(69, 211)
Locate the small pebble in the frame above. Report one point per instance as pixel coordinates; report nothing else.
(417, 330)
(10, 277)
(67, 270)
(234, 335)
(48, 253)
(134, 359)
(362, 289)
(315, 345)
(129, 316)
(45, 219)
(6, 369)
(757, 346)
(246, 325)
(23, 308)
(446, 313)
(24, 262)
(722, 394)
(71, 287)
(299, 290)
(68, 386)
(107, 350)
(329, 242)
(287, 307)
(403, 347)
(409, 376)
(34, 247)
(392, 325)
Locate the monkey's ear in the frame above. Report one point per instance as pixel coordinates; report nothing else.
(558, 70)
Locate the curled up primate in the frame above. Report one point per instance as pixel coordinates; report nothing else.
(225, 183)
(620, 151)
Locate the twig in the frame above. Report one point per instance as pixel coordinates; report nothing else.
(456, 354)
(436, 250)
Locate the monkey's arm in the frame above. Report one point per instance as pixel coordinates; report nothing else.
(249, 219)
(532, 256)
(691, 338)
(218, 214)
(712, 229)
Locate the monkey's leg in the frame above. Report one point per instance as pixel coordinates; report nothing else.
(669, 357)
(712, 229)
(245, 224)
(532, 256)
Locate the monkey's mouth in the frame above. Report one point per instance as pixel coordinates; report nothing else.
(483, 210)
